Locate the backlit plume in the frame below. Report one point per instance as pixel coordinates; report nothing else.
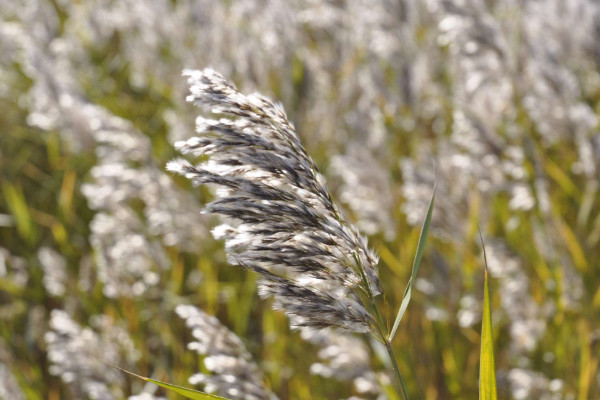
(279, 218)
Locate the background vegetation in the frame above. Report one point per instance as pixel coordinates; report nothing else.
(99, 244)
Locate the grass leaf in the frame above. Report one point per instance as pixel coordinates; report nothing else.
(188, 393)
(415, 268)
(487, 369)
(17, 204)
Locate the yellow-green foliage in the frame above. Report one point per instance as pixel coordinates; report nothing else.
(487, 367)
(419, 103)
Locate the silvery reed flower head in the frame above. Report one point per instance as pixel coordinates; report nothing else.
(9, 387)
(343, 357)
(365, 186)
(280, 220)
(77, 355)
(55, 270)
(236, 375)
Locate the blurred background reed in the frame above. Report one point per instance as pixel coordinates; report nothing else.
(99, 245)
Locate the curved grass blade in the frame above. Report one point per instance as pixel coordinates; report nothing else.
(188, 393)
(415, 268)
(487, 369)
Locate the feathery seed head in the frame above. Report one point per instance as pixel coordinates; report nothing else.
(236, 375)
(280, 219)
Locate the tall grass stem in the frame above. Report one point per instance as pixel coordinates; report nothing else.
(390, 350)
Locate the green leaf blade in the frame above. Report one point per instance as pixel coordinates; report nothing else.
(415, 268)
(487, 369)
(188, 393)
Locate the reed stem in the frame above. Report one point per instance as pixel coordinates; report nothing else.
(390, 350)
(382, 330)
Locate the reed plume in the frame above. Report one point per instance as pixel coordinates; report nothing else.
(279, 217)
(236, 375)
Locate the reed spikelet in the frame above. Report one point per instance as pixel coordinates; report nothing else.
(236, 375)
(345, 358)
(280, 220)
(78, 355)
(9, 387)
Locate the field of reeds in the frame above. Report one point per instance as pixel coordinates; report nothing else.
(211, 254)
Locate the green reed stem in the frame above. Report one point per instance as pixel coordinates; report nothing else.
(390, 350)
(382, 329)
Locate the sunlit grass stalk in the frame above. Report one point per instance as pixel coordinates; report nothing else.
(383, 334)
(392, 355)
